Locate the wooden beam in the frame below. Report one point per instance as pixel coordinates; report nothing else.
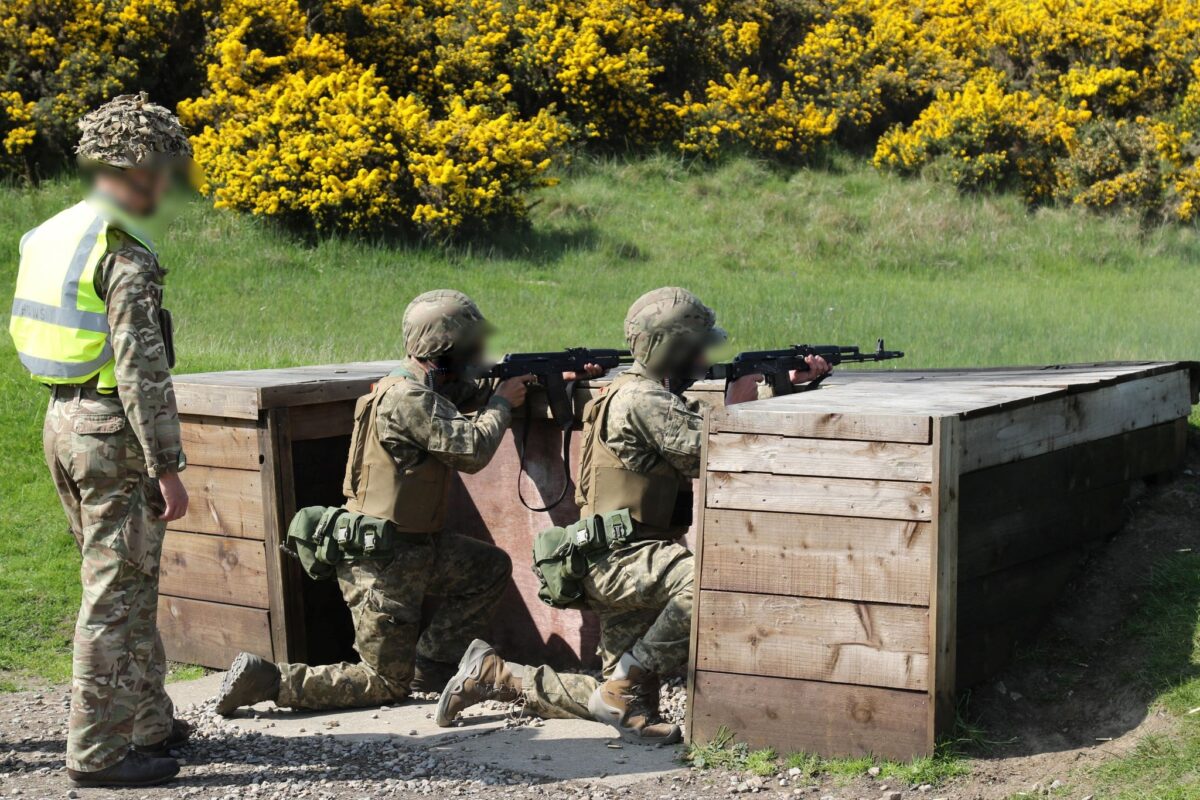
(943, 597)
(285, 579)
(834, 458)
(763, 418)
(809, 716)
(832, 496)
(699, 567)
(1032, 430)
(827, 640)
(217, 568)
(222, 501)
(200, 399)
(217, 442)
(211, 634)
(321, 421)
(844, 558)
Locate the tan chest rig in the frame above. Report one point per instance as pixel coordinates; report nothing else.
(659, 500)
(413, 498)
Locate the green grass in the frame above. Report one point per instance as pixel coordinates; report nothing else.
(839, 255)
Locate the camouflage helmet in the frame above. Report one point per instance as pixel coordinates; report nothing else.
(664, 329)
(436, 322)
(129, 131)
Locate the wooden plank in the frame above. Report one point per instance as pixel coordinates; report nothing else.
(813, 495)
(835, 458)
(943, 597)
(984, 652)
(222, 501)
(217, 568)
(217, 442)
(1043, 427)
(321, 420)
(827, 640)
(845, 558)
(809, 716)
(211, 634)
(1016, 591)
(700, 570)
(285, 579)
(763, 418)
(200, 399)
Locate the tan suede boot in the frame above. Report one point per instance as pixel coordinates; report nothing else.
(482, 675)
(628, 701)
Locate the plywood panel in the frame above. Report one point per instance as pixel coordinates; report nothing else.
(217, 442)
(217, 568)
(1075, 419)
(814, 556)
(828, 640)
(876, 427)
(835, 458)
(810, 716)
(223, 501)
(211, 634)
(833, 496)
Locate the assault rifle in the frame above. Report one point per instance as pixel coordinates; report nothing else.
(548, 369)
(777, 365)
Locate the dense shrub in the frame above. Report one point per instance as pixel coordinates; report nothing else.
(441, 114)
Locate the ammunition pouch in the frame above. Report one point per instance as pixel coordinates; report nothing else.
(324, 537)
(562, 556)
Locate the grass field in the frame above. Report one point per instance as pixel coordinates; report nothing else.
(841, 254)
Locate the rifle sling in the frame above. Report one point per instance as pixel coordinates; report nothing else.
(566, 426)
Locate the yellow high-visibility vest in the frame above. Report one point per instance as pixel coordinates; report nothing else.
(59, 324)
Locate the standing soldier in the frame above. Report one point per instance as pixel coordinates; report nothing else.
(87, 321)
(410, 436)
(640, 452)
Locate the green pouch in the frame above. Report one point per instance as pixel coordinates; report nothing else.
(560, 567)
(602, 532)
(308, 540)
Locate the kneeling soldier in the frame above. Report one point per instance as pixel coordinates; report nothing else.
(410, 435)
(640, 452)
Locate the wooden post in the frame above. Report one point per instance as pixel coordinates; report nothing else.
(943, 602)
(698, 559)
(279, 505)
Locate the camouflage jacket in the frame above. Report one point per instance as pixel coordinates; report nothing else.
(130, 281)
(413, 419)
(647, 422)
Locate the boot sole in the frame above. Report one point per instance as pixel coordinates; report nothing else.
(601, 712)
(477, 648)
(101, 784)
(230, 686)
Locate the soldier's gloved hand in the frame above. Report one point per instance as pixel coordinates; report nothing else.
(817, 367)
(174, 494)
(513, 390)
(589, 371)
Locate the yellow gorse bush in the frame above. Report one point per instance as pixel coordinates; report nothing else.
(441, 115)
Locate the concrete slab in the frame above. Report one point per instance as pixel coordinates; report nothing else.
(552, 749)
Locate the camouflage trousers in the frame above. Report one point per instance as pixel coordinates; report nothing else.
(643, 596)
(385, 599)
(113, 507)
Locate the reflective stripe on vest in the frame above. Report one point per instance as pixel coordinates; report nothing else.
(59, 323)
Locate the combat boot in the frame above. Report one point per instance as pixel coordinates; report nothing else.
(430, 675)
(628, 701)
(135, 769)
(482, 675)
(181, 731)
(250, 680)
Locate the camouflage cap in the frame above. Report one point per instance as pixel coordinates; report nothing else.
(129, 131)
(436, 322)
(666, 326)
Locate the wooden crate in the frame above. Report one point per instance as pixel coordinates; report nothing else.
(262, 443)
(866, 548)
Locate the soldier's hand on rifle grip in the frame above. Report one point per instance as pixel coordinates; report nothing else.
(589, 371)
(742, 390)
(514, 389)
(818, 367)
(174, 494)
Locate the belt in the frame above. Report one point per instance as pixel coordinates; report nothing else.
(65, 391)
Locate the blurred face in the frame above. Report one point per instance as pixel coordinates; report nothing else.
(138, 191)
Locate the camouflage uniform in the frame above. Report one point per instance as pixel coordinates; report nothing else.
(385, 597)
(105, 452)
(641, 592)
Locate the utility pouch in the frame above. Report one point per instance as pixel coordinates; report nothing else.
(562, 556)
(324, 537)
(600, 533)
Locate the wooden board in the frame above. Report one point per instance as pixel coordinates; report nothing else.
(761, 417)
(844, 558)
(944, 580)
(321, 420)
(810, 716)
(223, 501)
(211, 634)
(1075, 419)
(835, 458)
(814, 495)
(1016, 591)
(217, 568)
(828, 640)
(216, 442)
